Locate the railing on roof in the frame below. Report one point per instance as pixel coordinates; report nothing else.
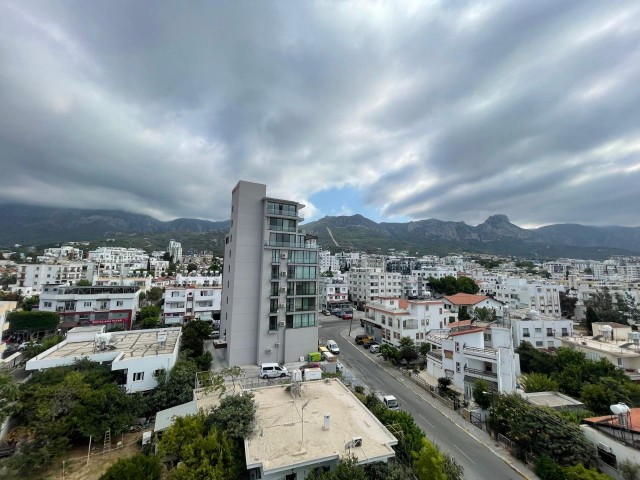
(485, 352)
(480, 373)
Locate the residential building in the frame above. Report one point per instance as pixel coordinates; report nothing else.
(460, 352)
(544, 297)
(270, 280)
(175, 251)
(332, 290)
(143, 283)
(6, 306)
(118, 255)
(108, 305)
(615, 342)
(469, 302)
(335, 426)
(366, 284)
(541, 331)
(389, 319)
(31, 277)
(195, 278)
(616, 438)
(328, 262)
(181, 304)
(66, 252)
(140, 355)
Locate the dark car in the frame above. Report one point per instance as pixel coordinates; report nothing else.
(310, 365)
(370, 343)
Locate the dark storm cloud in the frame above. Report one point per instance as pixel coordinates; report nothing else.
(453, 110)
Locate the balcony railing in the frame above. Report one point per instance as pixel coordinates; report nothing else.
(291, 245)
(481, 352)
(480, 373)
(283, 213)
(436, 355)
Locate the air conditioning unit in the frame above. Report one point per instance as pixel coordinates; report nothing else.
(283, 256)
(277, 345)
(283, 274)
(282, 323)
(282, 305)
(268, 350)
(356, 442)
(283, 290)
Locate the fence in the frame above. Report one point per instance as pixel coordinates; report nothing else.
(433, 391)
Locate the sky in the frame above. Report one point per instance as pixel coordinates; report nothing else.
(398, 111)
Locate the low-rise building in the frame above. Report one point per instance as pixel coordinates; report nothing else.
(459, 352)
(332, 290)
(32, 277)
(139, 354)
(541, 331)
(366, 284)
(469, 302)
(389, 319)
(181, 304)
(107, 305)
(544, 297)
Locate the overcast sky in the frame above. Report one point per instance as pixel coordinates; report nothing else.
(396, 110)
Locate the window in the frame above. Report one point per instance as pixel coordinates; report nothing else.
(565, 333)
(525, 332)
(549, 332)
(47, 304)
(273, 323)
(538, 330)
(138, 376)
(458, 367)
(156, 373)
(539, 343)
(119, 303)
(87, 304)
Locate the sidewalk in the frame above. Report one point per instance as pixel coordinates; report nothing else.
(479, 435)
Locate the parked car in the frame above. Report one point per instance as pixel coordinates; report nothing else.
(347, 316)
(374, 348)
(272, 370)
(310, 365)
(326, 312)
(360, 339)
(370, 344)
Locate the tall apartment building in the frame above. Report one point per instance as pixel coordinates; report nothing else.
(543, 297)
(32, 277)
(366, 284)
(270, 288)
(175, 251)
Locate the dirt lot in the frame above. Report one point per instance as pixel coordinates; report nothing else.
(76, 467)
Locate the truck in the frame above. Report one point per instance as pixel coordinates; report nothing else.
(388, 400)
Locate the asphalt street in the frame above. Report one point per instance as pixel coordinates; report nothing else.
(475, 455)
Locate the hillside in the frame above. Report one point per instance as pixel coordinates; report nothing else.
(497, 235)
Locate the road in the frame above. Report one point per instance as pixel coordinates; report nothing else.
(479, 462)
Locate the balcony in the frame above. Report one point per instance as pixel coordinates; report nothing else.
(283, 213)
(435, 355)
(291, 245)
(474, 372)
(482, 353)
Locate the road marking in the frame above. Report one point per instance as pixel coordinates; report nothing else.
(464, 454)
(427, 421)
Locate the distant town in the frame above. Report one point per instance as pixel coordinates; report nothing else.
(180, 343)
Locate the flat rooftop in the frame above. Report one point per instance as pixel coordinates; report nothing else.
(281, 439)
(552, 399)
(619, 348)
(132, 344)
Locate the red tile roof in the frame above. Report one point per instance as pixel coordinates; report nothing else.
(465, 298)
(612, 420)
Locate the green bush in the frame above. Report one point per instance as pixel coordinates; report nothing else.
(138, 467)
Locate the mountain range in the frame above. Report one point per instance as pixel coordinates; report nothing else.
(33, 225)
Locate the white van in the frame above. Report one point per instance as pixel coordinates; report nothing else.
(272, 370)
(333, 347)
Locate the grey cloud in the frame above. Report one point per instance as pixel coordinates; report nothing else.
(160, 107)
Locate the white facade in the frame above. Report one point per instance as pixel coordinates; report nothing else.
(34, 276)
(141, 353)
(175, 251)
(470, 302)
(332, 290)
(543, 297)
(182, 304)
(541, 331)
(328, 262)
(143, 283)
(66, 252)
(198, 279)
(391, 319)
(106, 305)
(118, 255)
(270, 288)
(460, 353)
(367, 284)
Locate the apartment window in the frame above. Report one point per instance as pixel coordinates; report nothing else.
(175, 294)
(119, 303)
(565, 333)
(47, 304)
(158, 372)
(525, 332)
(538, 330)
(87, 304)
(273, 323)
(539, 344)
(458, 367)
(457, 346)
(549, 332)
(138, 376)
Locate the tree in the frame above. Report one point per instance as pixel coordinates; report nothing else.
(467, 285)
(629, 470)
(443, 384)
(83, 283)
(591, 317)
(235, 415)
(138, 467)
(567, 305)
(149, 322)
(428, 462)
(481, 395)
(33, 321)
(194, 334)
(538, 382)
(390, 352)
(484, 314)
(8, 394)
(154, 295)
(175, 387)
(192, 267)
(150, 311)
(452, 470)
(424, 349)
(408, 349)
(463, 314)
(30, 302)
(580, 472)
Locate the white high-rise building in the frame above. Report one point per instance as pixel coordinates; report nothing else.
(270, 289)
(175, 251)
